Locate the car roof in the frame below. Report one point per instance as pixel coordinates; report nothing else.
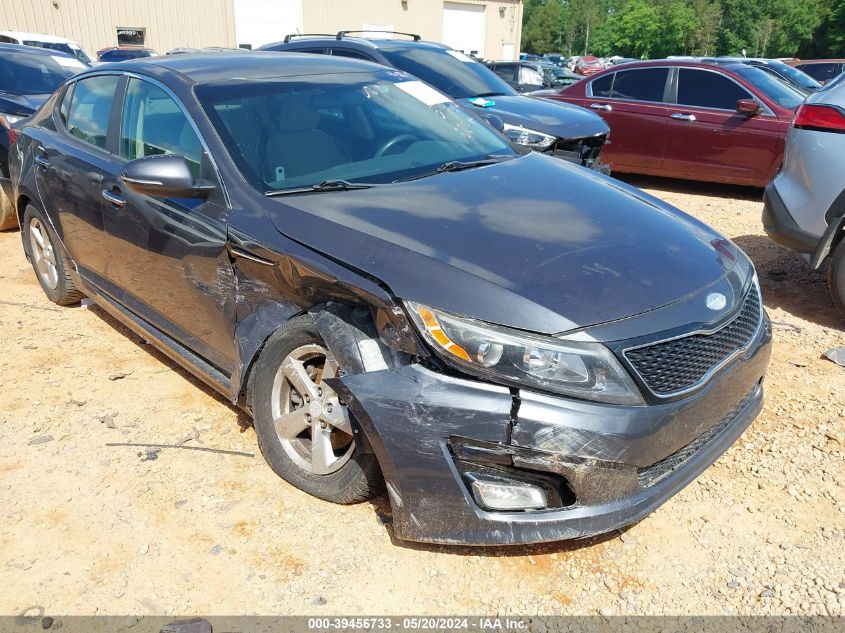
(32, 50)
(38, 37)
(202, 68)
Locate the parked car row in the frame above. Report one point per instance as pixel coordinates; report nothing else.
(519, 348)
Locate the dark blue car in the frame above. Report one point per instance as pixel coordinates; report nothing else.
(28, 76)
(564, 130)
(517, 348)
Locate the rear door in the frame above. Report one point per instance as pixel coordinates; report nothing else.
(71, 163)
(633, 104)
(174, 268)
(709, 139)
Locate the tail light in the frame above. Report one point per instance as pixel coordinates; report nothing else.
(13, 136)
(823, 118)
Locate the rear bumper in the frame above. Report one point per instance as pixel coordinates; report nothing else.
(781, 226)
(618, 463)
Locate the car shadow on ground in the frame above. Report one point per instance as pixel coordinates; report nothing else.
(692, 187)
(788, 282)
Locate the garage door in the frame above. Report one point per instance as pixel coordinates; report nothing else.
(463, 27)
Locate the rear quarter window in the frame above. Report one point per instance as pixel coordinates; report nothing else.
(601, 87)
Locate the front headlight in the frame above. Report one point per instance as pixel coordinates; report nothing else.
(581, 370)
(527, 137)
(6, 120)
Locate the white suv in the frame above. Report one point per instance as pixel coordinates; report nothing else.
(53, 42)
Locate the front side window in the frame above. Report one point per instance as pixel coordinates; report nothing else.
(706, 89)
(90, 109)
(153, 124)
(505, 71)
(640, 84)
(530, 76)
(284, 133)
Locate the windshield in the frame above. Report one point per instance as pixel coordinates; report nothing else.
(36, 74)
(294, 132)
(451, 72)
(795, 75)
(778, 91)
(73, 51)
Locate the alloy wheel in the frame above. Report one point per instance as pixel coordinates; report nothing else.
(311, 423)
(42, 254)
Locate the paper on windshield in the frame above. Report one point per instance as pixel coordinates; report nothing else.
(460, 56)
(422, 92)
(70, 62)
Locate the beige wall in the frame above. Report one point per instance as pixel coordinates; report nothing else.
(93, 23)
(424, 17)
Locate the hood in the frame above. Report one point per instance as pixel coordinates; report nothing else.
(533, 243)
(21, 104)
(559, 119)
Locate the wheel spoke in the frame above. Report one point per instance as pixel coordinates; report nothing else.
(52, 276)
(295, 372)
(289, 425)
(330, 367)
(338, 417)
(35, 231)
(322, 454)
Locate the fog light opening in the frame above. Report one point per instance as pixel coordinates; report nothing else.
(497, 494)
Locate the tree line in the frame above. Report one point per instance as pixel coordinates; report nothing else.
(657, 28)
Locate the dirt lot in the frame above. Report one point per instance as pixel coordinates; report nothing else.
(89, 525)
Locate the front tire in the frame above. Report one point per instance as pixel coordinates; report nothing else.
(305, 433)
(836, 277)
(48, 259)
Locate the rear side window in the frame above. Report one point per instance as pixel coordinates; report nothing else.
(351, 54)
(505, 71)
(706, 89)
(601, 86)
(640, 84)
(153, 124)
(90, 109)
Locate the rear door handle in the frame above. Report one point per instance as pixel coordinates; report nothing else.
(113, 198)
(680, 116)
(42, 162)
(601, 106)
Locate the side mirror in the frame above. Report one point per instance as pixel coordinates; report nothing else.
(163, 176)
(494, 121)
(747, 106)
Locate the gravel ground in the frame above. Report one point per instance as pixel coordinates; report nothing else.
(90, 525)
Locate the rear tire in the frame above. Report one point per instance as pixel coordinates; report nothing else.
(8, 219)
(836, 277)
(292, 406)
(48, 259)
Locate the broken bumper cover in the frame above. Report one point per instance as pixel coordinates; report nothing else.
(619, 463)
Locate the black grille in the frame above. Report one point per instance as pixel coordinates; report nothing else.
(682, 363)
(652, 474)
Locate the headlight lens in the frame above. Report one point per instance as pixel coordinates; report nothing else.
(527, 137)
(6, 120)
(582, 370)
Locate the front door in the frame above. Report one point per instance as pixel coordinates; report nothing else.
(709, 139)
(171, 252)
(70, 165)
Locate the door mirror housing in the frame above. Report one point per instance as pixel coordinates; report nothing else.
(163, 176)
(494, 121)
(747, 106)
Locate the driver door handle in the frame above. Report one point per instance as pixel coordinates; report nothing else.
(113, 198)
(42, 161)
(601, 106)
(680, 116)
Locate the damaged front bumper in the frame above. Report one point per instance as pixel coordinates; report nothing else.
(604, 466)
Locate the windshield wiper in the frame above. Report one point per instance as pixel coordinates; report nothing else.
(489, 94)
(459, 165)
(326, 185)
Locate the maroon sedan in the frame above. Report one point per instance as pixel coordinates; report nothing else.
(690, 119)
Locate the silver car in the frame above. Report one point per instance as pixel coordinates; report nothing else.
(804, 206)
